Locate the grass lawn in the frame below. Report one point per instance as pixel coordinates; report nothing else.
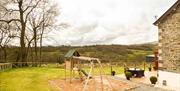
(36, 78)
(29, 79)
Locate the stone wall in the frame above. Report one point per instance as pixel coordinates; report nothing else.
(169, 41)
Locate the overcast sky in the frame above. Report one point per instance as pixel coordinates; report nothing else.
(108, 21)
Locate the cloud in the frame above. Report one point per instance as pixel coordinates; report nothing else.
(109, 21)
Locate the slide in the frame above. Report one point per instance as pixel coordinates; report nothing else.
(86, 74)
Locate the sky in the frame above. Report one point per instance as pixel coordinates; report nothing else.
(108, 21)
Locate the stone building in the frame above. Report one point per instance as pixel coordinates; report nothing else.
(169, 38)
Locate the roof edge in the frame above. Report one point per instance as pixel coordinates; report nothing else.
(172, 8)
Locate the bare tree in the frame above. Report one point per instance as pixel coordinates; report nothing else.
(33, 19)
(42, 21)
(4, 39)
(19, 11)
(48, 22)
(7, 31)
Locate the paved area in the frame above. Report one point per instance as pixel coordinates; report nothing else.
(144, 83)
(148, 88)
(172, 80)
(135, 84)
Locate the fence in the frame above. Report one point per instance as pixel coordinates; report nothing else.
(5, 66)
(28, 64)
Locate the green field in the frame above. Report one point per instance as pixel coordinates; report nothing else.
(36, 78)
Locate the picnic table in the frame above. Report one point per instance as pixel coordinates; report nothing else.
(136, 72)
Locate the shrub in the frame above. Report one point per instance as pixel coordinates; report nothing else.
(149, 68)
(113, 73)
(153, 79)
(128, 75)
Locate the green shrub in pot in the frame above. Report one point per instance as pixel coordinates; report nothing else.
(128, 75)
(153, 79)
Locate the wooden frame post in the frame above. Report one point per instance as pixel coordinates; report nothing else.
(70, 70)
(65, 70)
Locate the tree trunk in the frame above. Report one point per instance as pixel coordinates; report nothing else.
(1, 56)
(35, 44)
(40, 49)
(22, 43)
(4, 52)
(41, 36)
(32, 57)
(27, 51)
(23, 29)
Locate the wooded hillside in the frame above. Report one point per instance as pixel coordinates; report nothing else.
(107, 53)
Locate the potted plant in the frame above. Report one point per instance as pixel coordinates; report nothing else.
(128, 75)
(113, 73)
(153, 79)
(150, 68)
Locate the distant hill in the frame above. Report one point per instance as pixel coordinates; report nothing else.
(114, 53)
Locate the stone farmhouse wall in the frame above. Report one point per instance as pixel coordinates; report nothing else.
(169, 41)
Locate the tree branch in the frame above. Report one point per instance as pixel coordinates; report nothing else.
(27, 8)
(9, 21)
(31, 10)
(17, 26)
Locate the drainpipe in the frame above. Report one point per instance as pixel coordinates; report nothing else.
(156, 60)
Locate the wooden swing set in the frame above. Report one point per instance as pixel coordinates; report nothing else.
(73, 64)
